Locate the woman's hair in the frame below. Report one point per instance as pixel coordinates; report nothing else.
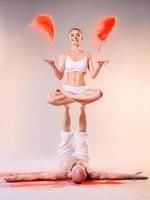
(75, 28)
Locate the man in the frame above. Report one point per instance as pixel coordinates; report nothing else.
(73, 157)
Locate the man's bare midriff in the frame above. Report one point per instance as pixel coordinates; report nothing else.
(75, 79)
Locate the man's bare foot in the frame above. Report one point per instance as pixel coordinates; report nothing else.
(82, 106)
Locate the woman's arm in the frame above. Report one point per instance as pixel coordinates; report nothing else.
(98, 175)
(58, 72)
(94, 70)
(41, 176)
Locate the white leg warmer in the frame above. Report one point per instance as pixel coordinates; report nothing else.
(65, 148)
(81, 146)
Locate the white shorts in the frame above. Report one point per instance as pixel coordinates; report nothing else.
(75, 89)
(73, 145)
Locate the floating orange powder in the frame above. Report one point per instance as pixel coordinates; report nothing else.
(44, 23)
(103, 28)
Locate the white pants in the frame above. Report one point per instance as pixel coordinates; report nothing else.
(75, 89)
(73, 145)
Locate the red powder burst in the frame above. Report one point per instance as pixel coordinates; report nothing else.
(44, 23)
(103, 28)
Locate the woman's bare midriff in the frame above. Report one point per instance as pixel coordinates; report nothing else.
(75, 79)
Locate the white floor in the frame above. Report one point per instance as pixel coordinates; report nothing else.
(124, 190)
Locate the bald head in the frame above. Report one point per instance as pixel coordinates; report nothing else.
(78, 174)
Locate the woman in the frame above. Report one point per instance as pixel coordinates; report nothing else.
(75, 62)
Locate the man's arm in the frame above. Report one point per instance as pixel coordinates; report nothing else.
(98, 175)
(58, 72)
(94, 70)
(41, 176)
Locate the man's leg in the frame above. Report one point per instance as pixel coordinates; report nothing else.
(81, 145)
(65, 148)
(82, 119)
(80, 137)
(67, 119)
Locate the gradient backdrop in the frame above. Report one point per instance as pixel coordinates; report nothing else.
(118, 124)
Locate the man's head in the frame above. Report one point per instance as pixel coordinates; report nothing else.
(78, 173)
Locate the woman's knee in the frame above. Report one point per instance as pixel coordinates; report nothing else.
(99, 94)
(49, 99)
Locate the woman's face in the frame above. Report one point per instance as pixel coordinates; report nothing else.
(75, 37)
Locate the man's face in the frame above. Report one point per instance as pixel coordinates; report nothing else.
(75, 37)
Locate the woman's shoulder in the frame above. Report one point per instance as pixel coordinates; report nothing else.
(88, 54)
(63, 54)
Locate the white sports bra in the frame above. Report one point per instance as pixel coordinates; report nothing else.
(79, 65)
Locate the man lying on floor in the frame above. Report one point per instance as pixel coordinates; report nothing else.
(73, 157)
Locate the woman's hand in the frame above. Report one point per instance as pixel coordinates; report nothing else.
(102, 62)
(58, 73)
(50, 62)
